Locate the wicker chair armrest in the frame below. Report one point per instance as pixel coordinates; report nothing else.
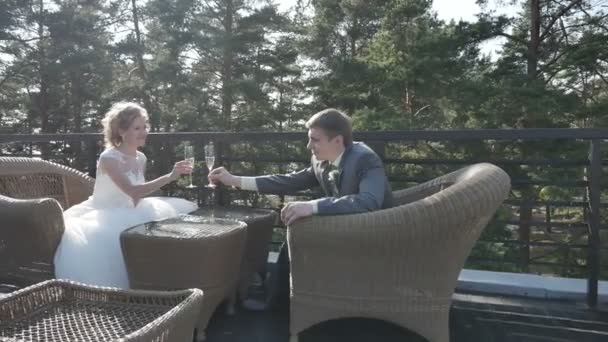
(420, 191)
(59, 296)
(179, 321)
(32, 228)
(349, 233)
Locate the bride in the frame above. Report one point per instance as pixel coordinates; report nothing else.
(90, 251)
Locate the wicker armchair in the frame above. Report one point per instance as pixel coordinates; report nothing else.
(61, 311)
(33, 194)
(400, 264)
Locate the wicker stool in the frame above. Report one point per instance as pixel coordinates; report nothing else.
(60, 311)
(185, 252)
(260, 224)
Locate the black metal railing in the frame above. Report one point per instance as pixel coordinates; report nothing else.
(552, 222)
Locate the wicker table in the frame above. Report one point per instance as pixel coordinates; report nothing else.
(58, 310)
(260, 224)
(189, 251)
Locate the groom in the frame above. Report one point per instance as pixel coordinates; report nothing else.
(350, 173)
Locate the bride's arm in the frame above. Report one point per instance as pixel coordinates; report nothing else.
(136, 191)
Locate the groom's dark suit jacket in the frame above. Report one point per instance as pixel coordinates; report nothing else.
(360, 181)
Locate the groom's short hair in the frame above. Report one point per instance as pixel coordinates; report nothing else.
(334, 123)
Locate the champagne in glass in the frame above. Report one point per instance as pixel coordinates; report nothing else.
(189, 156)
(210, 159)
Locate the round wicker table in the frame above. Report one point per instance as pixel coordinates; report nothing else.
(186, 252)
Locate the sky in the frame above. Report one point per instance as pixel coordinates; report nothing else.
(460, 9)
(446, 9)
(466, 10)
(453, 9)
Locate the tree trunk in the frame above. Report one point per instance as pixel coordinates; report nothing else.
(353, 38)
(141, 66)
(281, 91)
(227, 66)
(43, 96)
(77, 105)
(42, 102)
(534, 43)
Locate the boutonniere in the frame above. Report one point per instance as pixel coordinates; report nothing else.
(334, 176)
(334, 180)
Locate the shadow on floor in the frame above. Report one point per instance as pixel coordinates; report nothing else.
(274, 327)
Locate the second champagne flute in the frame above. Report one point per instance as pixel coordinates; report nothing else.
(210, 160)
(189, 156)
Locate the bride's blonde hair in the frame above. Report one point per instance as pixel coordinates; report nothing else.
(120, 117)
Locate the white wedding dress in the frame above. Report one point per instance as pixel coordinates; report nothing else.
(90, 251)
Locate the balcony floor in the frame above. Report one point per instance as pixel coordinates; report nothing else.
(473, 318)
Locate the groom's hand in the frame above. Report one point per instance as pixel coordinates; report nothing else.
(221, 175)
(293, 211)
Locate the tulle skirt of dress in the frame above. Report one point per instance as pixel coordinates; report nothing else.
(90, 251)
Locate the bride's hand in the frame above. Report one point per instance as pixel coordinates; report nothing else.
(182, 167)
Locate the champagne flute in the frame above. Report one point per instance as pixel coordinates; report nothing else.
(210, 160)
(189, 156)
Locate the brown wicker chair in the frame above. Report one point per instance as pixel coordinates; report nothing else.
(33, 194)
(58, 311)
(400, 264)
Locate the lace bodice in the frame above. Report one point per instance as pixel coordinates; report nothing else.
(106, 193)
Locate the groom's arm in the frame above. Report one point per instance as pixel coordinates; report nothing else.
(279, 184)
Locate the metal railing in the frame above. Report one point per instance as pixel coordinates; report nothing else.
(554, 211)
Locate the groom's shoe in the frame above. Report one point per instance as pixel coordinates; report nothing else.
(275, 293)
(252, 304)
(267, 301)
(258, 296)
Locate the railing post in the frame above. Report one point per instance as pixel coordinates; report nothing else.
(219, 195)
(92, 157)
(525, 218)
(594, 188)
